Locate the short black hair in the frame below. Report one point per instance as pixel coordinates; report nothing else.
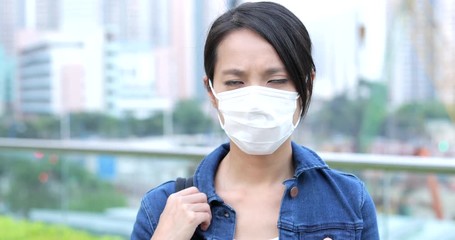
(278, 26)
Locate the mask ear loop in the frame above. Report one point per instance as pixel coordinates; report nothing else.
(214, 94)
(211, 89)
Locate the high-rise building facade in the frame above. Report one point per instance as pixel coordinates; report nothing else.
(50, 77)
(421, 52)
(8, 23)
(6, 83)
(171, 32)
(445, 50)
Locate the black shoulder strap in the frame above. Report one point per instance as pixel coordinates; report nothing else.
(182, 183)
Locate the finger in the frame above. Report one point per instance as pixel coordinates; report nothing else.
(187, 191)
(195, 198)
(203, 219)
(206, 223)
(203, 210)
(199, 207)
(193, 194)
(180, 196)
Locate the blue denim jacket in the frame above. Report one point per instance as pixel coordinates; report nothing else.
(318, 203)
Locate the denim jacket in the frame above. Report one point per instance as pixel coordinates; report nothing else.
(318, 203)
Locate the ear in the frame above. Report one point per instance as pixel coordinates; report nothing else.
(313, 75)
(209, 92)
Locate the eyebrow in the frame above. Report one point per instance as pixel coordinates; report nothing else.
(272, 71)
(235, 72)
(238, 72)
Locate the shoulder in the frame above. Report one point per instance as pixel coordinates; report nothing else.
(346, 185)
(308, 162)
(155, 199)
(315, 173)
(152, 205)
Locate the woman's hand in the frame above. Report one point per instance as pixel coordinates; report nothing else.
(184, 212)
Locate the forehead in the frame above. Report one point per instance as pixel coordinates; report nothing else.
(244, 40)
(245, 48)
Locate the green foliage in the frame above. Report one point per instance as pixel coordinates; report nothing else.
(19, 229)
(49, 182)
(189, 118)
(409, 120)
(364, 116)
(84, 125)
(43, 126)
(339, 116)
(3, 127)
(359, 117)
(27, 188)
(152, 125)
(374, 113)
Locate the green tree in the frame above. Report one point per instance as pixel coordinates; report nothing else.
(358, 117)
(374, 113)
(84, 125)
(189, 118)
(408, 121)
(40, 126)
(152, 125)
(46, 180)
(28, 186)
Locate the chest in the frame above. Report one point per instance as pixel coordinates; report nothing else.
(259, 207)
(306, 215)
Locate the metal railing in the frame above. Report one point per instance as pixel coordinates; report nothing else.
(383, 187)
(335, 160)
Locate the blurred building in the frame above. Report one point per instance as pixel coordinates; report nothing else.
(57, 74)
(44, 71)
(8, 15)
(348, 42)
(445, 48)
(164, 30)
(6, 83)
(130, 86)
(44, 15)
(15, 15)
(421, 51)
(130, 20)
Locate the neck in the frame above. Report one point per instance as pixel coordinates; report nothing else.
(241, 169)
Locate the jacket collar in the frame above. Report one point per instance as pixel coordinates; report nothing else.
(304, 160)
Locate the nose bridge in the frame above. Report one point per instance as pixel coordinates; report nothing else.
(254, 99)
(255, 79)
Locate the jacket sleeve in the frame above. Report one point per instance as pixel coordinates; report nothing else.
(370, 225)
(152, 205)
(143, 228)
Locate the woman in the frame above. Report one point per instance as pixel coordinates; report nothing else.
(260, 185)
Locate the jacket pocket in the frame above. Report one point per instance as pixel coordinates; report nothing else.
(330, 231)
(328, 234)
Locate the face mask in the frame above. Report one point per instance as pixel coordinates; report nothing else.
(257, 119)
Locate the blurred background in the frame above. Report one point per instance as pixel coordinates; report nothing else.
(101, 100)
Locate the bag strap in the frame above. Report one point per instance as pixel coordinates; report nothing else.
(182, 183)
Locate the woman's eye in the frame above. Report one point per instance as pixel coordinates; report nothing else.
(232, 83)
(278, 81)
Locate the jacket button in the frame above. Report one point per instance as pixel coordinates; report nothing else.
(294, 192)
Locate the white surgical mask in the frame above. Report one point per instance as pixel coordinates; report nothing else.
(257, 119)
